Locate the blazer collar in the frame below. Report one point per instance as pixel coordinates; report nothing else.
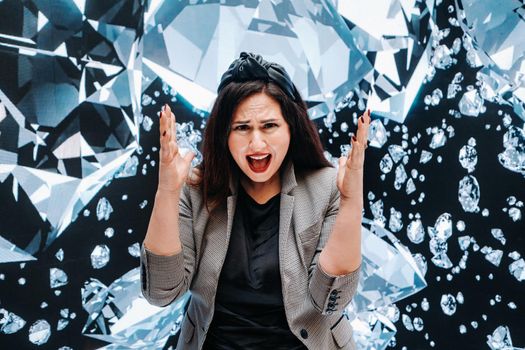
(288, 181)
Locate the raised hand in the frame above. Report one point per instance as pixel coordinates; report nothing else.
(173, 168)
(350, 174)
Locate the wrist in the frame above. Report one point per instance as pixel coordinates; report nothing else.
(167, 192)
(351, 202)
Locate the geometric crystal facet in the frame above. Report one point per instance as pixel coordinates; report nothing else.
(71, 103)
(320, 55)
(120, 315)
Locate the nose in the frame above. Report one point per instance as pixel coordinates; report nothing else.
(257, 142)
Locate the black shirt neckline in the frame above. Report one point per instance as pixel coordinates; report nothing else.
(253, 202)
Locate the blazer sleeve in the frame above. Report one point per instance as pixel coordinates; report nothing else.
(330, 293)
(166, 278)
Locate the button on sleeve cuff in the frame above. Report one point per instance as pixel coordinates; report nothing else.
(332, 293)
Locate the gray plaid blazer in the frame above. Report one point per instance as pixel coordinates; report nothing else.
(314, 301)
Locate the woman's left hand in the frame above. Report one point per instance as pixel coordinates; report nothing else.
(350, 174)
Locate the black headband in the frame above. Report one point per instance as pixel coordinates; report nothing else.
(249, 67)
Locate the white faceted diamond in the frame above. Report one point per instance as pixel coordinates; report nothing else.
(415, 231)
(421, 263)
(442, 260)
(411, 187)
(395, 223)
(500, 339)
(377, 208)
(396, 152)
(438, 140)
(442, 229)
(517, 269)
(515, 214)
(9, 322)
(438, 246)
(425, 305)
(128, 169)
(498, 234)
(291, 35)
(464, 242)
(134, 250)
(418, 324)
(62, 324)
(448, 304)
(425, 157)
(469, 193)
(60, 254)
(468, 157)
(39, 332)
(407, 322)
(109, 232)
(502, 58)
(471, 103)
(459, 298)
(377, 135)
(401, 177)
(513, 158)
(147, 123)
(104, 209)
(452, 90)
(386, 164)
(120, 315)
(100, 256)
(57, 278)
(494, 256)
(514, 255)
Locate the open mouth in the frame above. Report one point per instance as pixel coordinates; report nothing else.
(260, 163)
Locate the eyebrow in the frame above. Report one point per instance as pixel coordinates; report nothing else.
(262, 121)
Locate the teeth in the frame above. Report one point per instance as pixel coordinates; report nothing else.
(258, 157)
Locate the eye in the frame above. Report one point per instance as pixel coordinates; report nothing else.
(242, 127)
(270, 125)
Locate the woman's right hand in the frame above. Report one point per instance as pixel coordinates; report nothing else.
(173, 168)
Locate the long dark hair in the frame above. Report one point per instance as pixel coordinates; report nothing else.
(218, 166)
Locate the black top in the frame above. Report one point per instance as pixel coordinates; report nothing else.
(249, 310)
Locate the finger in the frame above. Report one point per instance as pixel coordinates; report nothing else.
(174, 148)
(173, 121)
(341, 171)
(163, 132)
(362, 129)
(356, 159)
(189, 157)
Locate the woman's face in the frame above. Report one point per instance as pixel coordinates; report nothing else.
(259, 137)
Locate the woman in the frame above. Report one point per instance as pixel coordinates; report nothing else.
(267, 236)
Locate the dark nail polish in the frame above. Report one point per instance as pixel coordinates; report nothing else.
(160, 115)
(164, 133)
(354, 139)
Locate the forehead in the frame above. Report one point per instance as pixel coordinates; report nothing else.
(257, 106)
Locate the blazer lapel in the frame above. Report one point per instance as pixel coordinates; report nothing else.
(288, 183)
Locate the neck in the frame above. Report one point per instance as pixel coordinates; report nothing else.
(261, 192)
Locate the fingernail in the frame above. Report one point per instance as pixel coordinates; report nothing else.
(368, 111)
(160, 115)
(362, 119)
(164, 133)
(354, 139)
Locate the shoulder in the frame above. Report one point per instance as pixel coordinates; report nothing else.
(319, 184)
(323, 178)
